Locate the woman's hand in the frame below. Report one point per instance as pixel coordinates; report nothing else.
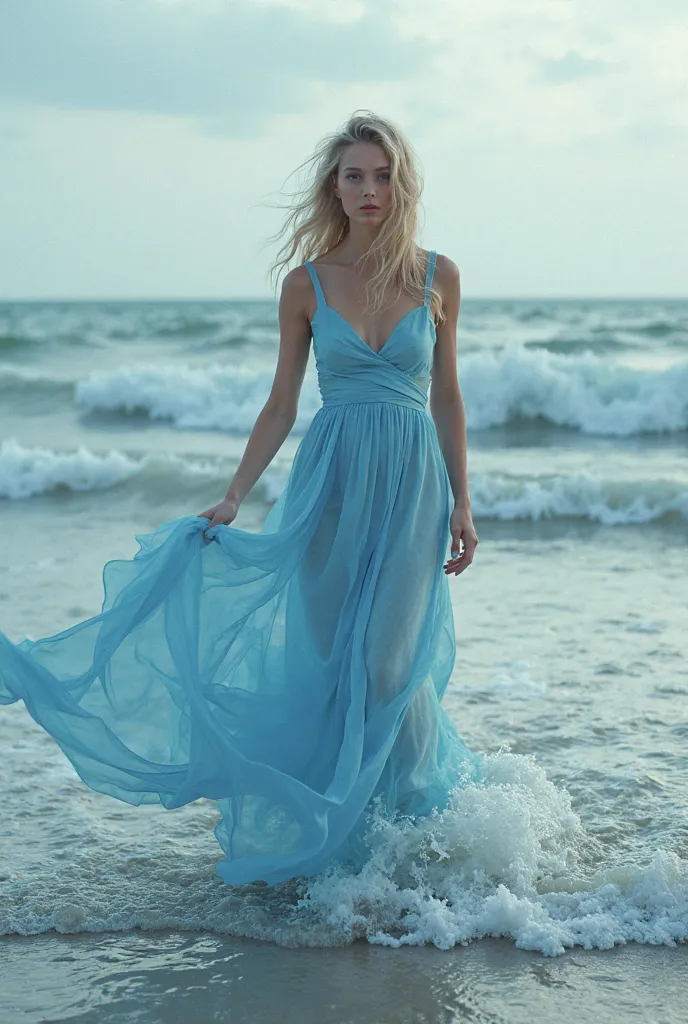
(225, 512)
(463, 533)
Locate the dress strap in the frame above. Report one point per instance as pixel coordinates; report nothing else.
(429, 274)
(316, 283)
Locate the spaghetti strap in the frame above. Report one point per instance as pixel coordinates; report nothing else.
(320, 295)
(429, 274)
(316, 283)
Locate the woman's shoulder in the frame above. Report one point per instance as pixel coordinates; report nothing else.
(447, 281)
(297, 290)
(447, 275)
(445, 265)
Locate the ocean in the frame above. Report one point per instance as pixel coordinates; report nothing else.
(560, 887)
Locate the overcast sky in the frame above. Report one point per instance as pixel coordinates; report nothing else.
(140, 140)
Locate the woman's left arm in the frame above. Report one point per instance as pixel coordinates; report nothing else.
(449, 413)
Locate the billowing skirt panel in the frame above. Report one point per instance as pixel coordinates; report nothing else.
(294, 674)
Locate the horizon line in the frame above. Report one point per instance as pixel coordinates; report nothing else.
(464, 297)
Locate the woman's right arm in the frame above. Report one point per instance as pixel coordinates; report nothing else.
(278, 415)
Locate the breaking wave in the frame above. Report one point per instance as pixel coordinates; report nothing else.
(518, 384)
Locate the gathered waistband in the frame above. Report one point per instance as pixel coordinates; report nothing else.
(404, 403)
(374, 386)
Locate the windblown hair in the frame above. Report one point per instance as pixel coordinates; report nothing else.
(316, 221)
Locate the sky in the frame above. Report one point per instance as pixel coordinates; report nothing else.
(145, 143)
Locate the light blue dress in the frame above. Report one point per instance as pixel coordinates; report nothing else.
(292, 675)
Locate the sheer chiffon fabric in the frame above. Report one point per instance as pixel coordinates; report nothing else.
(295, 674)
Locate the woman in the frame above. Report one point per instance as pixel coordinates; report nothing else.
(295, 675)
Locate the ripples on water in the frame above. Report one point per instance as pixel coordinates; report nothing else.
(571, 669)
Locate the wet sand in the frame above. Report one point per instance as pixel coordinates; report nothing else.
(178, 978)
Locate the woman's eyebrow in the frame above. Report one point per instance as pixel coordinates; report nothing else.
(385, 168)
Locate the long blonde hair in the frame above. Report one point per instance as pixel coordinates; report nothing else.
(316, 221)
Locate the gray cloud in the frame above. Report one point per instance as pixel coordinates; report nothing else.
(571, 67)
(230, 64)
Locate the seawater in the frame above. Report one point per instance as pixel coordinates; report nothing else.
(572, 625)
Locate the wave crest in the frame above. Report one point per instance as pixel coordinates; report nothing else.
(27, 472)
(578, 392)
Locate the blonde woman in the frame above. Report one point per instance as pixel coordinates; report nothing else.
(295, 675)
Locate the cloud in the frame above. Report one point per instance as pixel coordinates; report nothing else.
(234, 64)
(571, 67)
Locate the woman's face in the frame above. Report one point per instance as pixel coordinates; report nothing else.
(363, 180)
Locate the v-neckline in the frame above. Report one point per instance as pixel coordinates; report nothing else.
(375, 351)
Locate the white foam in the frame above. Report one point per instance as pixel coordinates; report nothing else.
(25, 472)
(581, 392)
(579, 496)
(29, 471)
(215, 398)
(585, 392)
(505, 859)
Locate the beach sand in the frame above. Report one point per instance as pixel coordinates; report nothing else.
(177, 978)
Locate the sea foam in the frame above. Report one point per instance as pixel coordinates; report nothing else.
(508, 858)
(26, 472)
(29, 471)
(579, 392)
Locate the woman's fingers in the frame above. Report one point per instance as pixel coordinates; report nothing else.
(216, 519)
(457, 565)
(455, 553)
(461, 559)
(224, 513)
(455, 559)
(212, 515)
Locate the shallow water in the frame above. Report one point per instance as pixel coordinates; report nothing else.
(172, 978)
(571, 675)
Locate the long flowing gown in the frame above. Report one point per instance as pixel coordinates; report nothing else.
(295, 674)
